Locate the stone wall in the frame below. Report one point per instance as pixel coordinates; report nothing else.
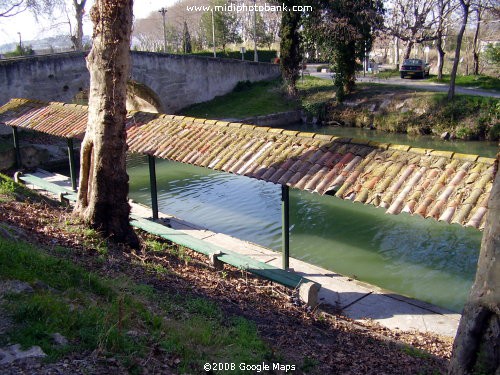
(182, 80)
(177, 81)
(275, 120)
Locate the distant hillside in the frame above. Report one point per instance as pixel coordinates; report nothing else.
(59, 43)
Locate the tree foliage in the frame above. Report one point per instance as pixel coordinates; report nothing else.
(492, 53)
(186, 39)
(226, 26)
(344, 29)
(411, 21)
(290, 53)
(9, 8)
(21, 51)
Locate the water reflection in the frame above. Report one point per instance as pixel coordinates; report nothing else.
(424, 259)
(482, 148)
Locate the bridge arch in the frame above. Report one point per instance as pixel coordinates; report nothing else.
(141, 97)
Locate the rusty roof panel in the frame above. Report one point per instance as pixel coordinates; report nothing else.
(446, 186)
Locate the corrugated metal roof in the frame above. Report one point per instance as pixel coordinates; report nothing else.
(443, 185)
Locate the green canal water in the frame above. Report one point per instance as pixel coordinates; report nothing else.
(488, 149)
(423, 259)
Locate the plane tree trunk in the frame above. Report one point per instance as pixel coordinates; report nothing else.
(465, 4)
(103, 191)
(77, 38)
(477, 344)
(408, 48)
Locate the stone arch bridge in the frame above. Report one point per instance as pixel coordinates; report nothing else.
(163, 82)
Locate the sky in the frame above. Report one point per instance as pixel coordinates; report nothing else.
(26, 24)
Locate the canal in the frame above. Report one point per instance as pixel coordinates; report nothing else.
(423, 259)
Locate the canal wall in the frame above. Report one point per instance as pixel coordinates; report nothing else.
(281, 119)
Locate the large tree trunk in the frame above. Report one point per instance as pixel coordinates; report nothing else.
(77, 39)
(290, 58)
(102, 197)
(442, 5)
(475, 47)
(441, 53)
(477, 344)
(465, 4)
(408, 47)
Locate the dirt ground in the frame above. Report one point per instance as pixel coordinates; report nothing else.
(322, 338)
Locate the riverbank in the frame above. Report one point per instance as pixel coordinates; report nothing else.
(382, 107)
(171, 288)
(403, 110)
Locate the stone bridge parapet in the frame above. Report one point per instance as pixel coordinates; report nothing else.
(167, 82)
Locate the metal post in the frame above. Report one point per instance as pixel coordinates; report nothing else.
(213, 32)
(152, 183)
(17, 149)
(365, 65)
(72, 165)
(285, 225)
(255, 55)
(163, 12)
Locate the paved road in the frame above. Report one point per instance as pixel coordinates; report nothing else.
(422, 84)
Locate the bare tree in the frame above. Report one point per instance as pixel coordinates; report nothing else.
(77, 37)
(476, 346)
(102, 196)
(10, 8)
(482, 10)
(444, 8)
(411, 22)
(465, 6)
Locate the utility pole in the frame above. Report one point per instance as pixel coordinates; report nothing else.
(255, 55)
(213, 31)
(163, 12)
(20, 41)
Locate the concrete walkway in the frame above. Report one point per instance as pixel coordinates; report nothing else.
(358, 301)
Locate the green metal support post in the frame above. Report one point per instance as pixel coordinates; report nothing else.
(72, 165)
(152, 183)
(17, 149)
(285, 225)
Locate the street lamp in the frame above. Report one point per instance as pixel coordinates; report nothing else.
(255, 55)
(163, 12)
(213, 31)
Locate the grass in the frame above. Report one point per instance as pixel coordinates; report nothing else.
(480, 81)
(389, 73)
(10, 190)
(97, 313)
(5, 146)
(247, 100)
(314, 89)
(467, 117)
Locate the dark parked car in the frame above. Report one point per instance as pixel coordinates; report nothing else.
(415, 67)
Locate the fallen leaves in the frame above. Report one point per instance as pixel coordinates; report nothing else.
(317, 342)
